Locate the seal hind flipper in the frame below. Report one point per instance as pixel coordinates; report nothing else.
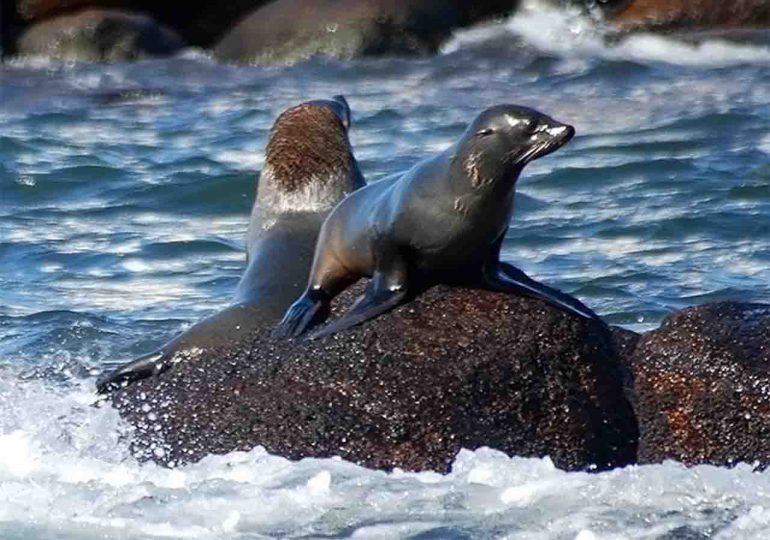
(141, 368)
(507, 278)
(381, 295)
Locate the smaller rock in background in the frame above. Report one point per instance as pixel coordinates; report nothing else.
(98, 35)
(702, 385)
(286, 31)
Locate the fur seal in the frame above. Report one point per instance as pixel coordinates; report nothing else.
(309, 168)
(442, 221)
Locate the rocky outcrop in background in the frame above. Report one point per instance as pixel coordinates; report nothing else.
(288, 30)
(99, 35)
(285, 30)
(292, 27)
(199, 22)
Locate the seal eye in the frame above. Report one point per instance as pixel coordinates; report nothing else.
(484, 132)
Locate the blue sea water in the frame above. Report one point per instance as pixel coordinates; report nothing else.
(125, 192)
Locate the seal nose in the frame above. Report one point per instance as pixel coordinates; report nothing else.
(346, 116)
(562, 130)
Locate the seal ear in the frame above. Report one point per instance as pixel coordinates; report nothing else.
(339, 98)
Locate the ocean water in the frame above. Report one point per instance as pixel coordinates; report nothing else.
(124, 197)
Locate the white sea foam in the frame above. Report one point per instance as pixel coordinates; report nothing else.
(568, 35)
(764, 144)
(65, 467)
(250, 160)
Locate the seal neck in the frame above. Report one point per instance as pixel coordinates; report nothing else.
(320, 192)
(478, 170)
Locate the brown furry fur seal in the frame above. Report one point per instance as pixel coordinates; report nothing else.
(309, 167)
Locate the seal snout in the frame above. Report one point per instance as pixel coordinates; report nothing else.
(550, 137)
(561, 131)
(342, 110)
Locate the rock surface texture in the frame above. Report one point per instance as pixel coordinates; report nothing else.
(99, 35)
(291, 30)
(702, 385)
(678, 14)
(455, 368)
(199, 22)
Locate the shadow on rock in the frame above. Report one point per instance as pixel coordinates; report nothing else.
(453, 369)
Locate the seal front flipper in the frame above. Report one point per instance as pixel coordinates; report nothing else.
(507, 278)
(310, 309)
(141, 368)
(382, 294)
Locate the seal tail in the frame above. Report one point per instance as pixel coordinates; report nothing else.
(141, 368)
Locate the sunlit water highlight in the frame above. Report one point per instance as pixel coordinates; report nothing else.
(125, 192)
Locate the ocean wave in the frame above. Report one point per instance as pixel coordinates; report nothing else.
(568, 34)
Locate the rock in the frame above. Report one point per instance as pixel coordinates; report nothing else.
(199, 22)
(291, 30)
(702, 385)
(453, 369)
(680, 14)
(37, 10)
(99, 35)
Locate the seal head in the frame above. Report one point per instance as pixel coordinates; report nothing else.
(307, 156)
(503, 139)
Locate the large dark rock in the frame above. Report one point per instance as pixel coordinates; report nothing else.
(290, 30)
(702, 385)
(99, 35)
(453, 369)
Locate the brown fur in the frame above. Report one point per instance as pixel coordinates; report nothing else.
(308, 143)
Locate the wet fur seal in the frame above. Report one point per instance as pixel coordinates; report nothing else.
(442, 221)
(309, 168)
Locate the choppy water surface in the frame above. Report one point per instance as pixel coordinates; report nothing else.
(124, 197)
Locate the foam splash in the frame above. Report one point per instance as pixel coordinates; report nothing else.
(66, 469)
(567, 34)
(63, 468)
